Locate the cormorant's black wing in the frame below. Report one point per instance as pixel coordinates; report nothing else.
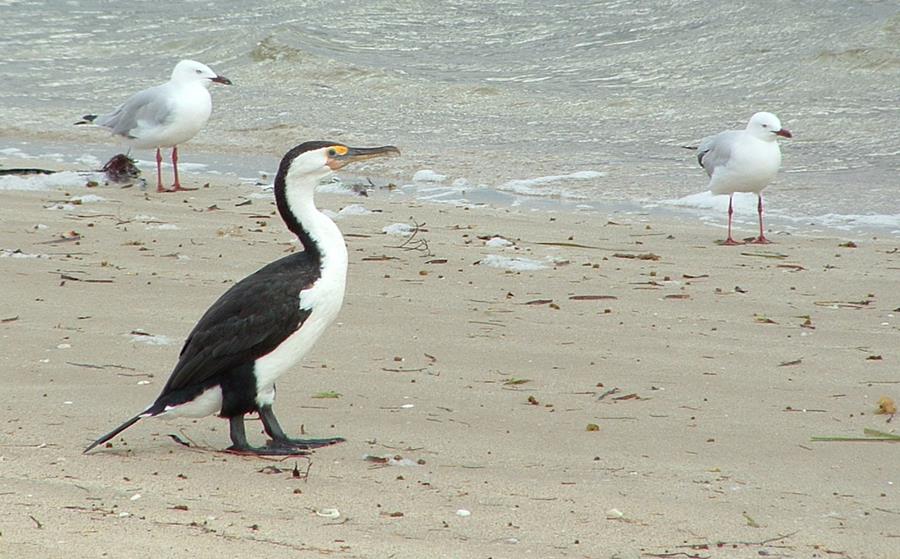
(246, 322)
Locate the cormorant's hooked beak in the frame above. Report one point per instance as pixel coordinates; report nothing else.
(222, 80)
(339, 156)
(784, 133)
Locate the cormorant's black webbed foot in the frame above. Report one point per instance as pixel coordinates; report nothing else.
(279, 438)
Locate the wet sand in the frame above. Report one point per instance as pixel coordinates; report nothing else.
(646, 393)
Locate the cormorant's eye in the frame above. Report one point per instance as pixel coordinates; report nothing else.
(332, 152)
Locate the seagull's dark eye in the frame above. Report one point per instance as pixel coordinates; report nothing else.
(199, 71)
(765, 125)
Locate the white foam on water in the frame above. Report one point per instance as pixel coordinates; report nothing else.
(498, 242)
(399, 229)
(547, 186)
(54, 181)
(87, 199)
(516, 264)
(9, 253)
(427, 175)
(354, 209)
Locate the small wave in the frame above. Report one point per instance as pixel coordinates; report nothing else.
(872, 58)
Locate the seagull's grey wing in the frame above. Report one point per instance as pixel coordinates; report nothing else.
(145, 109)
(715, 151)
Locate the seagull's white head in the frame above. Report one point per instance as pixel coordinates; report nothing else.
(766, 126)
(193, 71)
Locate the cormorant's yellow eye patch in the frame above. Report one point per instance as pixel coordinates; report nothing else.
(338, 150)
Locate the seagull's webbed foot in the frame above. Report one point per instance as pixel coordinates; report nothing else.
(761, 240)
(177, 188)
(729, 242)
(279, 438)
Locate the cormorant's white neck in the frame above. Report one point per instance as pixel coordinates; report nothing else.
(319, 235)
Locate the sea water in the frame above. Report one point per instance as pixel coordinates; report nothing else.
(587, 104)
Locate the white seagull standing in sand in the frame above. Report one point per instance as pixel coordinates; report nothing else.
(743, 161)
(164, 115)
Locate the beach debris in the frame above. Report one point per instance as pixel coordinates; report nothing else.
(643, 256)
(9, 319)
(874, 358)
(762, 319)
(848, 244)
(463, 513)
(807, 322)
(392, 460)
(609, 392)
(614, 514)
(844, 304)
(411, 243)
(68, 236)
(765, 254)
(327, 394)
(872, 435)
(179, 440)
(513, 381)
(886, 406)
(328, 513)
(566, 245)
(121, 169)
(592, 297)
(791, 363)
(750, 522)
(533, 401)
(591, 427)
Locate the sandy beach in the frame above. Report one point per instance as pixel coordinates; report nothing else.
(604, 386)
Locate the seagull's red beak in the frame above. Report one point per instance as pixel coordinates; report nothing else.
(785, 133)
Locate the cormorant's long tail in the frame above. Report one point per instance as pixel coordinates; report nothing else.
(115, 432)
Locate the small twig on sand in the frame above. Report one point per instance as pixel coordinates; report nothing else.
(411, 243)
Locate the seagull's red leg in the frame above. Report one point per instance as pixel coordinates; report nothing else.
(177, 183)
(159, 186)
(729, 241)
(761, 240)
(176, 186)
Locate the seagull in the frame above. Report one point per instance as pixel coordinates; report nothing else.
(264, 324)
(164, 115)
(743, 161)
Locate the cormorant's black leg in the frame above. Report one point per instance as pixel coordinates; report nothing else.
(241, 446)
(272, 427)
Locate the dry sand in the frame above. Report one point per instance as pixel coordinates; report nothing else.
(705, 369)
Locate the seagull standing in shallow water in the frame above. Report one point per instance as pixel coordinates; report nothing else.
(266, 322)
(743, 161)
(164, 115)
